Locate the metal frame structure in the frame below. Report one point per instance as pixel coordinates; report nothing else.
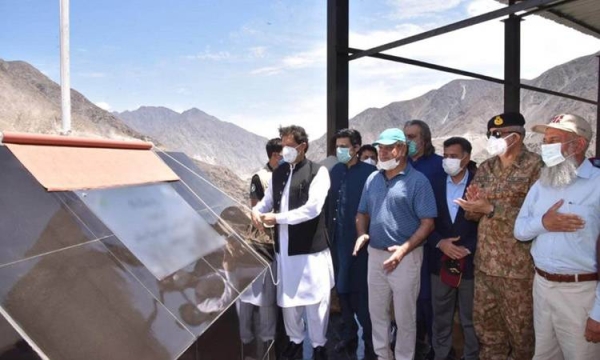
(339, 54)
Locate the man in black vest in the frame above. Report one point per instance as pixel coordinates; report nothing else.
(297, 194)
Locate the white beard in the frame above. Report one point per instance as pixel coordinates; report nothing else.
(560, 175)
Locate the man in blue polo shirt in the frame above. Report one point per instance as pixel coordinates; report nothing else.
(395, 215)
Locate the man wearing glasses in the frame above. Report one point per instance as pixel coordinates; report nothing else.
(503, 304)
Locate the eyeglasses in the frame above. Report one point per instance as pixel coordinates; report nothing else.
(499, 134)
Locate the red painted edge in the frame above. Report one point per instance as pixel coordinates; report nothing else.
(10, 137)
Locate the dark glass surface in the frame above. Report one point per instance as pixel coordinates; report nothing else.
(12, 345)
(80, 303)
(79, 210)
(156, 225)
(32, 220)
(198, 181)
(197, 294)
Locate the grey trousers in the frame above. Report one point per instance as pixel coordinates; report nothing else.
(444, 299)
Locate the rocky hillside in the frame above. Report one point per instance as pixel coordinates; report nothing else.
(463, 107)
(201, 136)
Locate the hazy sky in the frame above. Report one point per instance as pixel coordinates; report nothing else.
(262, 63)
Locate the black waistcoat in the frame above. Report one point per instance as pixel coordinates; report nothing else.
(310, 236)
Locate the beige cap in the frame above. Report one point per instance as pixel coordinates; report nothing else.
(567, 122)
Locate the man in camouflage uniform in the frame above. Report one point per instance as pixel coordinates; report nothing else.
(503, 304)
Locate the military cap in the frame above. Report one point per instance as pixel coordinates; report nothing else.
(506, 119)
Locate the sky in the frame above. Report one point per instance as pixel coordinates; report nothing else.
(262, 63)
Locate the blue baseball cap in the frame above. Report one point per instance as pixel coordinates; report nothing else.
(390, 136)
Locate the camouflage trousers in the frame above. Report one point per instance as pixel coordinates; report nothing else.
(503, 317)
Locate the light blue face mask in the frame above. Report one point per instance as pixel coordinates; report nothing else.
(343, 155)
(412, 148)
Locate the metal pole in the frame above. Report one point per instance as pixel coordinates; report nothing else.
(598, 118)
(337, 68)
(65, 75)
(512, 63)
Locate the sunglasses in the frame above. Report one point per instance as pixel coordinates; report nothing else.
(499, 134)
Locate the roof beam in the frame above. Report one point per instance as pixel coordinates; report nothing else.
(471, 74)
(525, 5)
(545, 7)
(574, 21)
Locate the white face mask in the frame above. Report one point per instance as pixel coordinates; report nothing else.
(289, 154)
(389, 164)
(496, 146)
(552, 154)
(369, 161)
(451, 166)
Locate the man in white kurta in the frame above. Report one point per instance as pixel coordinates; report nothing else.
(304, 280)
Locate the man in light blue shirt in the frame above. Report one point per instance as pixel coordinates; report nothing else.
(395, 215)
(562, 214)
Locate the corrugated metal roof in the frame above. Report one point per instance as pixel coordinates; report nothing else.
(581, 15)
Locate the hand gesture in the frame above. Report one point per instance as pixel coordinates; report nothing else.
(256, 220)
(592, 330)
(360, 242)
(451, 250)
(398, 252)
(559, 222)
(268, 219)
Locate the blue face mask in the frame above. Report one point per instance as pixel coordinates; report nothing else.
(412, 148)
(343, 155)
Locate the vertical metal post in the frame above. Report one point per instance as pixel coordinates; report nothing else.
(598, 120)
(512, 62)
(65, 75)
(337, 68)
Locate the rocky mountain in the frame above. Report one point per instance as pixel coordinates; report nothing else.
(31, 102)
(463, 107)
(201, 136)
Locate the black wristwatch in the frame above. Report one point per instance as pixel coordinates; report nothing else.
(491, 213)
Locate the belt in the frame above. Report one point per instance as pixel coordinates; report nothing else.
(567, 278)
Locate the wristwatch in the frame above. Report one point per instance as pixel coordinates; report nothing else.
(491, 213)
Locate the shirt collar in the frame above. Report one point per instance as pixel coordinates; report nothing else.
(406, 170)
(586, 170)
(461, 182)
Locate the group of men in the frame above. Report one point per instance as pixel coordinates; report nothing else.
(512, 244)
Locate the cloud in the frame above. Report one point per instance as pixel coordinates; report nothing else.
(317, 57)
(103, 105)
(407, 9)
(210, 55)
(258, 52)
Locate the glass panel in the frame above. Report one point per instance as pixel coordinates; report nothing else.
(80, 303)
(211, 197)
(155, 224)
(85, 215)
(196, 294)
(34, 221)
(12, 345)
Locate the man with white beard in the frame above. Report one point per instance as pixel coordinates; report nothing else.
(562, 214)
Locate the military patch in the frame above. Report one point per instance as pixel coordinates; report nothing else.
(498, 121)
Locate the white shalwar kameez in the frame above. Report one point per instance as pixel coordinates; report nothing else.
(304, 281)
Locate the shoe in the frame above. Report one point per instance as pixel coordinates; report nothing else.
(319, 353)
(346, 345)
(292, 351)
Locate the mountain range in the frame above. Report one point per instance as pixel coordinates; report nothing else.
(201, 136)
(463, 107)
(30, 102)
